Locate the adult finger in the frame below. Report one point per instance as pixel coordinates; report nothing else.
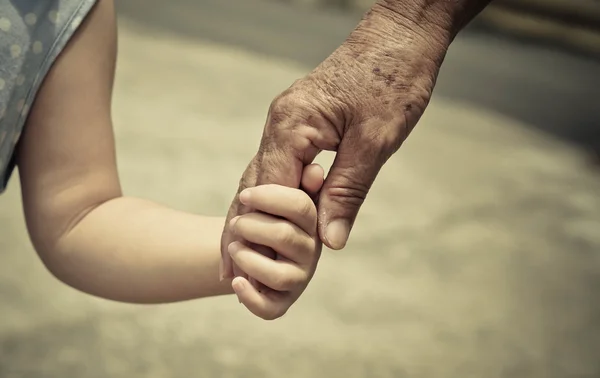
(312, 180)
(357, 163)
(287, 144)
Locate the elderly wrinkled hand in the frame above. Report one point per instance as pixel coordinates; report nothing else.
(362, 102)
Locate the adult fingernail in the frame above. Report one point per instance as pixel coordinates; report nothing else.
(234, 247)
(245, 196)
(337, 233)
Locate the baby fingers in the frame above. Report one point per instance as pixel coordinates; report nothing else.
(284, 237)
(292, 204)
(268, 305)
(279, 275)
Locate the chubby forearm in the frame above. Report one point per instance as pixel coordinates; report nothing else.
(133, 250)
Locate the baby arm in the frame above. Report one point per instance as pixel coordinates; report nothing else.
(92, 237)
(85, 231)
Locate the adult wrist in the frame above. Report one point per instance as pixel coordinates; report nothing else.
(392, 33)
(444, 18)
(426, 19)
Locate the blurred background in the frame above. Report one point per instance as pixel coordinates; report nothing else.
(477, 253)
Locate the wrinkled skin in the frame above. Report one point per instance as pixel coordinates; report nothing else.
(362, 102)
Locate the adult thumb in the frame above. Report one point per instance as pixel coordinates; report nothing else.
(346, 187)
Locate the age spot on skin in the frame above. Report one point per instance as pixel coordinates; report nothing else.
(389, 79)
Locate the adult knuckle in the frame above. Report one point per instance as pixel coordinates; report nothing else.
(290, 109)
(348, 191)
(282, 108)
(291, 122)
(392, 138)
(347, 196)
(279, 102)
(384, 141)
(377, 137)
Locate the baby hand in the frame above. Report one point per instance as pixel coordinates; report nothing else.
(285, 220)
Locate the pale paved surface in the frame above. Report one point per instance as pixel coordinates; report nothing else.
(477, 253)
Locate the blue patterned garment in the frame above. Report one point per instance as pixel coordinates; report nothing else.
(32, 35)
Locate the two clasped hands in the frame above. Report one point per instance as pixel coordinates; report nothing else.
(362, 102)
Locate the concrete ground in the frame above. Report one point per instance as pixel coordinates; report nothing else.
(477, 253)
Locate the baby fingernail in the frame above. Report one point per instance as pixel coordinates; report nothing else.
(233, 221)
(234, 247)
(238, 285)
(245, 196)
